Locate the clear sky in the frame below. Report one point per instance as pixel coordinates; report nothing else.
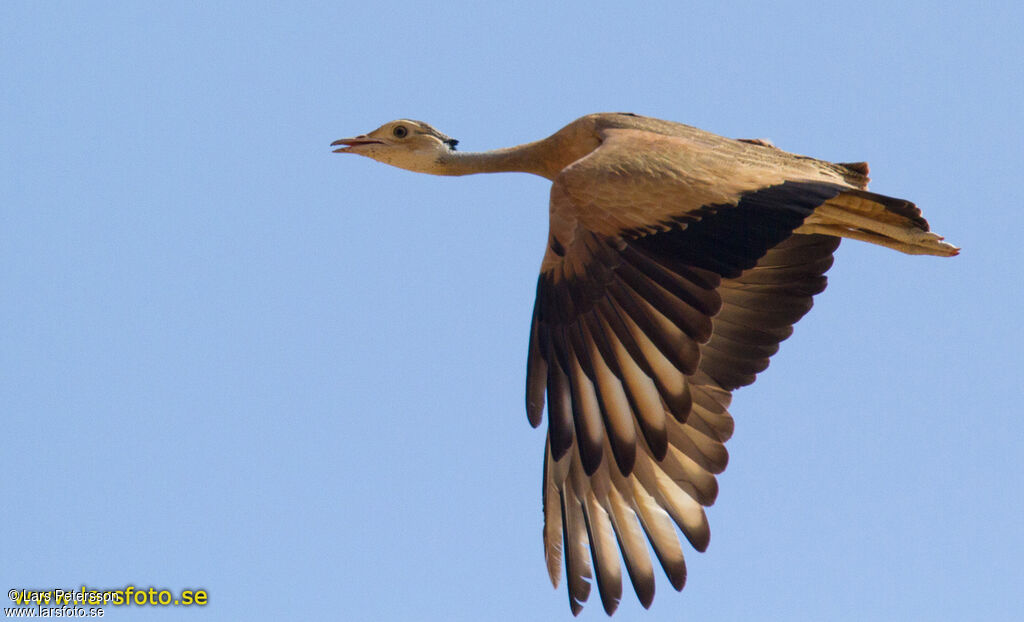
(230, 359)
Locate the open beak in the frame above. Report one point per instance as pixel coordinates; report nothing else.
(345, 143)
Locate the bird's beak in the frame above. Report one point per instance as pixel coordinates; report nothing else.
(347, 143)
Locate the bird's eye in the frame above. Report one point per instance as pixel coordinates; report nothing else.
(400, 131)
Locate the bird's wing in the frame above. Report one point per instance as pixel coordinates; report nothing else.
(640, 181)
(641, 328)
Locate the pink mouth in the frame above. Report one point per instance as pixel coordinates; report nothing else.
(353, 142)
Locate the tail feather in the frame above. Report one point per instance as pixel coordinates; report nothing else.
(878, 219)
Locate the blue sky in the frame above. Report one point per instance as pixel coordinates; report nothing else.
(230, 359)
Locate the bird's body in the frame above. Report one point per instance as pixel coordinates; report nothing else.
(677, 261)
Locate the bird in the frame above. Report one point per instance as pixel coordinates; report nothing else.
(677, 261)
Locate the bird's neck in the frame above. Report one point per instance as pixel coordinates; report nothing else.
(528, 158)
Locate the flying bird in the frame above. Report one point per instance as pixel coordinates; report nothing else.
(677, 260)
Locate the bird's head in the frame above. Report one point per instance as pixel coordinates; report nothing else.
(408, 144)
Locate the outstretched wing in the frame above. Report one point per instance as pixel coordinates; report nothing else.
(662, 289)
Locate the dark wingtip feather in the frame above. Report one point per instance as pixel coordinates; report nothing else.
(657, 441)
(699, 541)
(536, 374)
(560, 426)
(534, 413)
(646, 597)
(676, 575)
(590, 457)
(625, 455)
(610, 605)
